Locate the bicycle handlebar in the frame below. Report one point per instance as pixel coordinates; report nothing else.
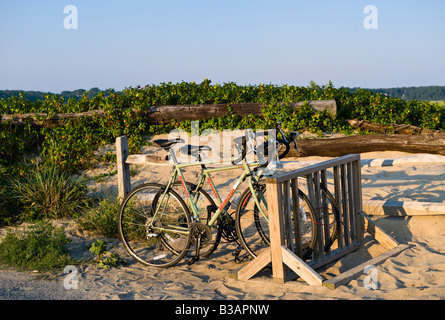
(241, 143)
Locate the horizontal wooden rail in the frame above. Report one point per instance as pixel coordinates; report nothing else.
(164, 114)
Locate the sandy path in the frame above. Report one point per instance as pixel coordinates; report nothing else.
(416, 273)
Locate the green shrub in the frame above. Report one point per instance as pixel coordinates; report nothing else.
(50, 193)
(99, 248)
(72, 145)
(102, 219)
(8, 208)
(39, 247)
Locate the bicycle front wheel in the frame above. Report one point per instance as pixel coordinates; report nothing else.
(252, 224)
(154, 225)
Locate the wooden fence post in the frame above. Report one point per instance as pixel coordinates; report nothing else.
(123, 169)
(276, 228)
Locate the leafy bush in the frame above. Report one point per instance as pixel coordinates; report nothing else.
(71, 147)
(39, 247)
(99, 248)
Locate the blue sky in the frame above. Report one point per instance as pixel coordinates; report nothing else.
(120, 44)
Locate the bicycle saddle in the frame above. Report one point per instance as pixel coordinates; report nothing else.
(165, 143)
(189, 149)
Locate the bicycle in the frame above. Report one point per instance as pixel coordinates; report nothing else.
(157, 227)
(249, 214)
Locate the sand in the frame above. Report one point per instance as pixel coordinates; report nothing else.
(416, 273)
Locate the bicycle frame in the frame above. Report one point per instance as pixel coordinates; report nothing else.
(205, 175)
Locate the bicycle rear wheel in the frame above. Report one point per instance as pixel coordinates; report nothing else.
(332, 217)
(154, 225)
(252, 224)
(327, 212)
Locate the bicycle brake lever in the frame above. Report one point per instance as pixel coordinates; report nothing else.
(294, 136)
(296, 147)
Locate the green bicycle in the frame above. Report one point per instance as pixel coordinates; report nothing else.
(158, 227)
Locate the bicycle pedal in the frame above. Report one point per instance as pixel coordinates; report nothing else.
(237, 253)
(193, 260)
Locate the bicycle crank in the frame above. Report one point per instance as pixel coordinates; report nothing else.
(200, 235)
(200, 231)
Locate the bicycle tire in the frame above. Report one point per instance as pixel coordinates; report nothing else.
(253, 228)
(336, 219)
(204, 215)
(141, 233)
(333, 213)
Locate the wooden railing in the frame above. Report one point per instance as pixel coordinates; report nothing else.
(344, 175)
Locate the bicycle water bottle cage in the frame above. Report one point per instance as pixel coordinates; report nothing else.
(166, 144)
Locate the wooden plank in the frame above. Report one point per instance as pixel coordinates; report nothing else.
(123, 169)
(287, 212)
(378, 233)
(256, 265)
(316, 167)
(301, 268)
(297, 218)
(334, 255)
(351, 202)
(276, 230)
(345, 207)
(325, 210)
(402, 208)
(357, 181)
(148, 159)
(316, 203)
(311, 195)
(355, 272)
(337, 196)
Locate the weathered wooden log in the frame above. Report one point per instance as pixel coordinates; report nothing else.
(164, 114)
(393, 128)
(42, 119)
(336, 147)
